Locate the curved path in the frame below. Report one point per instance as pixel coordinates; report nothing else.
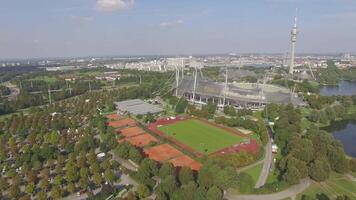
(266, 165)
(290, 192)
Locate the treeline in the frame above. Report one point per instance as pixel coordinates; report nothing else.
(326, 109)
(4, 90)
(332, 75)
(305, 86)
(313, 153)
(151, 83)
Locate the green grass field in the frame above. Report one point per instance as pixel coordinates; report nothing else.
(200, 136)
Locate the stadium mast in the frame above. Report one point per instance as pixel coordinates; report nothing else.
(225, 89)
(195, 82)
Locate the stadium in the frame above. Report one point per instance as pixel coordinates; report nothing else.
(239, 95)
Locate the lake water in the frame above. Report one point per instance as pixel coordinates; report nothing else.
(345, 88)
(345, 131)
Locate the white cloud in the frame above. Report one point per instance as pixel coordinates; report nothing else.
(113, 5)
(171, 23)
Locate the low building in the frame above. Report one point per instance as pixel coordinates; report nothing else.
(137, 107)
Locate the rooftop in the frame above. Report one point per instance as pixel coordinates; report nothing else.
(137, 107)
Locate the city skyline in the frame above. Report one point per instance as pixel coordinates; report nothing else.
(117, 27)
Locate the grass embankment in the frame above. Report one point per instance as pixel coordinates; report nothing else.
(200, 136)
(254, 172)
(336, 185)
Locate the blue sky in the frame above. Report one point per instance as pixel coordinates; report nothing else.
(57, 28)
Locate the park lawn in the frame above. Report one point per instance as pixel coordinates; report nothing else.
(47, 79)
(336, 185)
(254, 172)
(201, 136)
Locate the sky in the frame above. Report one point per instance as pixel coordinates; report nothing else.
(69, 28)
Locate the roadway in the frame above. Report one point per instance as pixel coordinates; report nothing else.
(291, 192)
(267, 163)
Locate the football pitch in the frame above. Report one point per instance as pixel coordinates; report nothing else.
(200, 136)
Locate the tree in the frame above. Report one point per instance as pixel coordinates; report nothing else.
(56, 192)
(71, 187)
(84, 172)
(84, 182)
(149, 118)
(214, 193)
(319, 170)
(169, 185)
(135, 155)
(223, 179)
(189, 190)
(181, 105)
(245, 183)
(30, 188)
(185, 175)
(58, 180)
(200, 193)
(292, 175)
(3, 184)
(343, 197)
(131, 196)
(109, 175)
(97, 179)
(123, 150)
(14, 191)
(42, 195)
(143, 191)
(167, 169)
(44, 184)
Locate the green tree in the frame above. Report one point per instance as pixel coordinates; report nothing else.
(56, 192)
(71, 187)
(292, 175)
(143, 191)
(214, 193)
(97, 179)
(169, 185)
(200, 193)
(245, 182)
(30, 188)
(58, 180)
(319, 170)
(14, 191)
(135, 155)
(109, 176)
(42, 195)
(185, 175)
(167, 169)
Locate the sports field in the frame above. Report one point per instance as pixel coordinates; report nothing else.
(200, 136)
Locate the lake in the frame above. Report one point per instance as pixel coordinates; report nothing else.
(345, 131)
(345, 88)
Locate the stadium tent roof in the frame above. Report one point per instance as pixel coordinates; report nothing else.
(137, 107)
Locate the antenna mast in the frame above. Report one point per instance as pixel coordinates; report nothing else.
(294, 34)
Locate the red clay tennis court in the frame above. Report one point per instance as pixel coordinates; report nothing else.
(113, 117)
(131, 132)
(162, 152)
(141, 140)
(123, 122)
(185, 161)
